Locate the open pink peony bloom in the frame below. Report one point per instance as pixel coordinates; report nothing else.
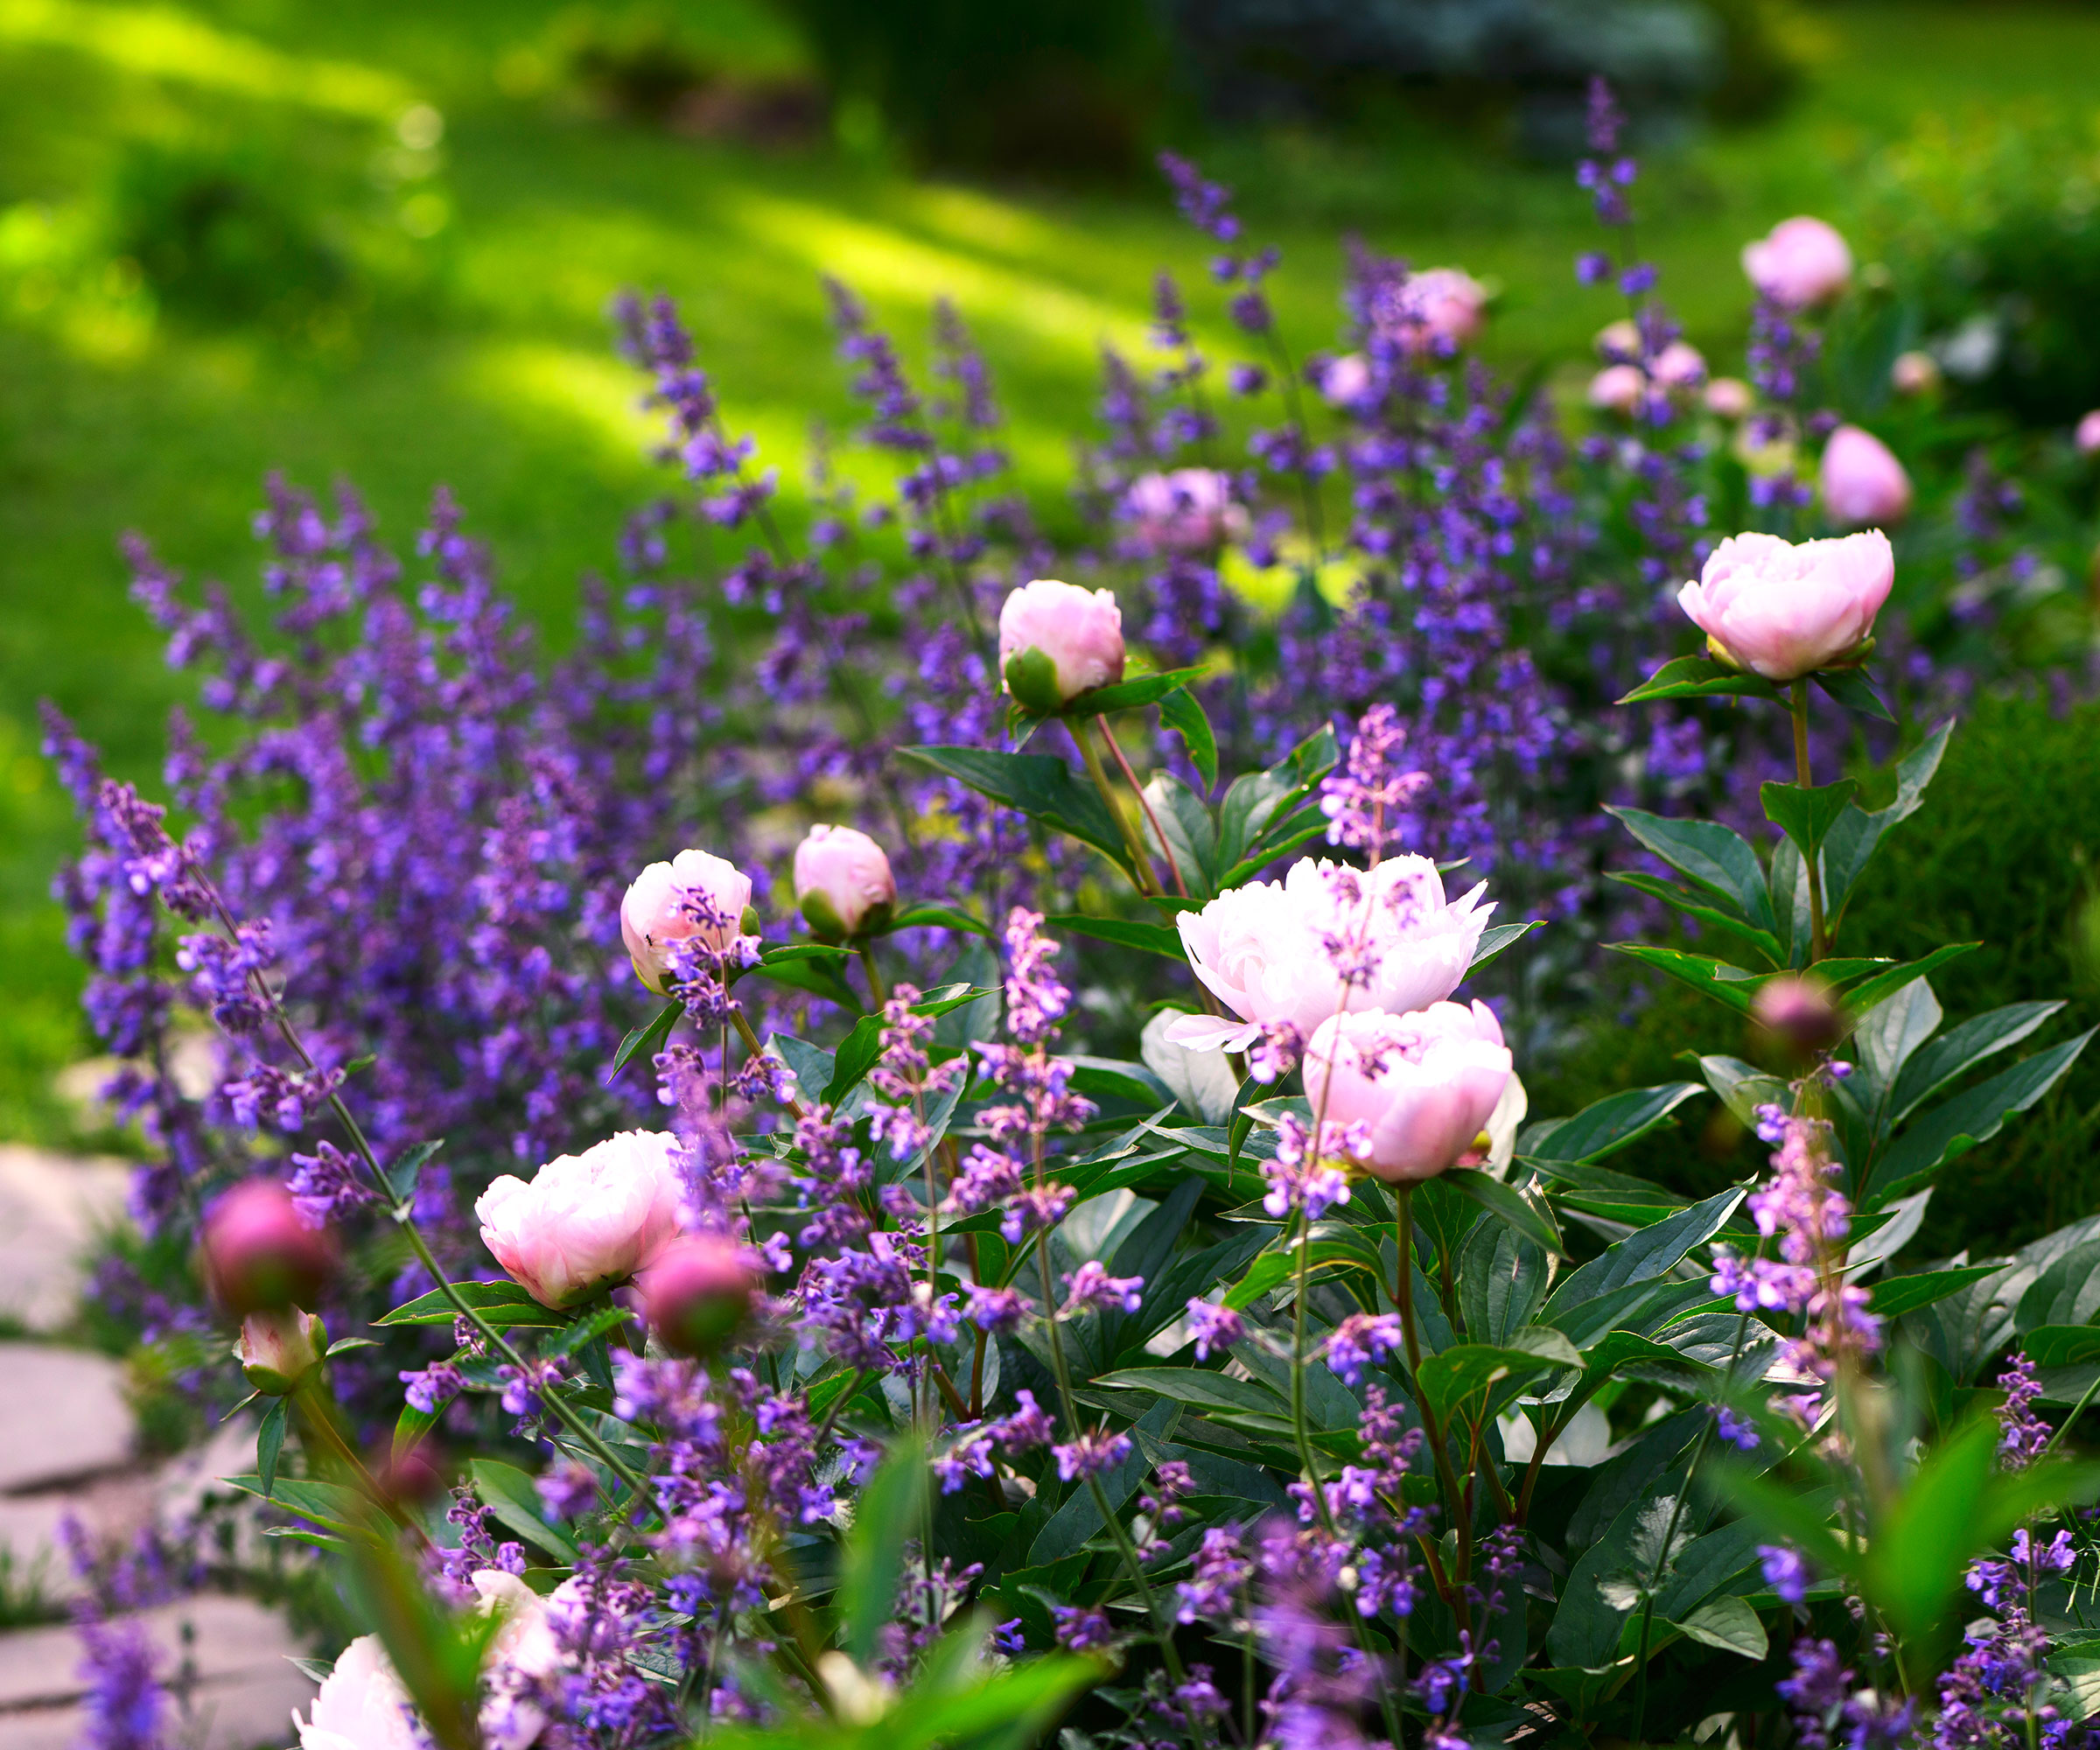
(361, 1705)
(2087, 437)
(587, 1221)
(842, 881)
(523, 1655)
(1802, 263)
(1189, 510)
(1079, 636)
(652, 915)
(1680, 365)
(1782, 610)
(1263, 948)
(1437, 309)
(1863, 482)
(1423, 1086)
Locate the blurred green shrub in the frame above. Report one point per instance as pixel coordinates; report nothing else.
(225, 235)
(2012, 863)
(638, 63)
(1060, 88)
(1992, 228)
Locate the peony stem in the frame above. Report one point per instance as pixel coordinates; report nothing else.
(1143, 876)
(1819, 946)
(1404, 1232)
(1167, 849)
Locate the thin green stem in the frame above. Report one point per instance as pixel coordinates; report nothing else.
(1161, 1632)
(1142, 875)
(1167, 849)
(1819, 948)
(1404, 1227)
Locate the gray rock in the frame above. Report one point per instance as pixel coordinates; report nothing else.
(52, 1207)
(63, 1416)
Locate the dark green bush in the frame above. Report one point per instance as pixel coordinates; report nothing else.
(2007, 854)
(1044, 87)
(223, 234)
(1994, 231)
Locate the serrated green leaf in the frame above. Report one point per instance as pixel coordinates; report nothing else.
(401, 1176)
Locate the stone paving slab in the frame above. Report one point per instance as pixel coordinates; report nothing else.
(51, 1206)
(246, 1690)
(63, 1416)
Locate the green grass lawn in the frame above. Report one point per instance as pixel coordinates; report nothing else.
(473, 348)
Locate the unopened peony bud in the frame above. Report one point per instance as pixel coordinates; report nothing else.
(842, 882)
(1863, 482)
(2088, 435)
(1346, 381)
(1056, 642)
(1437, 309)
(1618, 389)
(697, 1294)
(1802, 263)
(1729, 398)
(278, 1350)
(259, 1255)
(1799, 1013)
(655, 916)
(1914, 374)
(1680, 365)
(1782, 610)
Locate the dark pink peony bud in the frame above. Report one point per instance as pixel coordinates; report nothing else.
(1798, 1011)
(697, 1294)
(259, 1253)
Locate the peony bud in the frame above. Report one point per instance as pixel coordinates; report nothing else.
(1680, 365)
(1803, 263)
(653, 916)
(842, 882)
(1729, 398)
(1797, 1011)
(1439, 309)
(1618, 343)
(1863, 482)
(259, 1253)
(1056, 642)
(697, 1294)
(278, 1350)
(1781, 610)
(586, 1221)
(1346, 381)
(2087, 437)
(1914, 374)
(1189, 510)
(1618, 389)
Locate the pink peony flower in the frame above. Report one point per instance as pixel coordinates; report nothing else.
(361, 1705)
(1076, 636)
(1729, 398)
(1862, 480)
(842, 881)
(1803, 263)
(1188, 511)
(2088, 435)
(1262, 949)
(1783, 610)
(1618, 343)
(1423, 1086)
(1618, 389)
(522, 1656)
(653, 917)
(1914, 374)
(1439, 309)
(1346, 381)
(586, 1221)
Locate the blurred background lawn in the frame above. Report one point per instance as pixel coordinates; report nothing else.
(376, 241)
